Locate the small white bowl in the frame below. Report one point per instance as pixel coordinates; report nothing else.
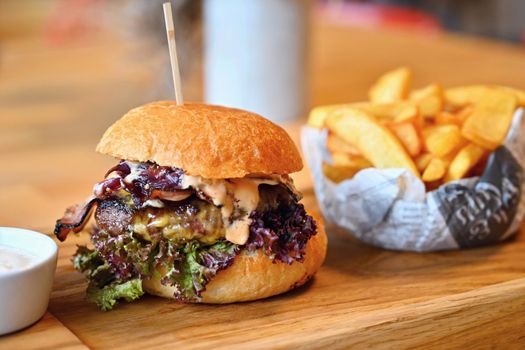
(24, 293)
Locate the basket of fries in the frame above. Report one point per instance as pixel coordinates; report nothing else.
(423, 170)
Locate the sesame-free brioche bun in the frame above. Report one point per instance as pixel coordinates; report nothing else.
(254, 276)
(203, 140)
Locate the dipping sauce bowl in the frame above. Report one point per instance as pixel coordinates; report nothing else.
(27, 268)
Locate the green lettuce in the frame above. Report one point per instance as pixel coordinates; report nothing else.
(190, 267)
(198, 266)
(107, 297)
(104, 289)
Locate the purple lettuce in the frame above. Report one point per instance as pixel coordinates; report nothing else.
(199, 266)
(119, 259)
(282, 232)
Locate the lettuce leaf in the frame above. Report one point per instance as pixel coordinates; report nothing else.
(104, 289)
(92, 265)
(282, 232)
(190, 267)
(107, 297)
(198, 266)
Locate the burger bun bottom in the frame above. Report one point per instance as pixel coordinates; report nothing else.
(254, 276)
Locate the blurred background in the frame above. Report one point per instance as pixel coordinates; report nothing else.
(108, 54)
(69, 68)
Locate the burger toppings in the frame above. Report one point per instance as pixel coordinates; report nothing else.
(140, 185)
(282, 232)
(74, 218)
(155, 221)
(117, 265)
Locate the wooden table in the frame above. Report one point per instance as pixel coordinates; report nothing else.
(56, 102)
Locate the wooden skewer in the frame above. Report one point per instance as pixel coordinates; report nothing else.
(175, 72)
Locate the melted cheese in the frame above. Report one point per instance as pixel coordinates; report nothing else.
(237, 198)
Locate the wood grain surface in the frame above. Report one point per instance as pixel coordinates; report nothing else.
(56, 102)
(362, 298)
(47, 334)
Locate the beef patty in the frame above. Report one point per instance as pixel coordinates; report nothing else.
(190, 219)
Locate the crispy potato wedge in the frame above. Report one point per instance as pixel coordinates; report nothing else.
(444, 117)
(464, 113)
(519, 94)
(407, 134)
(375, 141)
(441, 140)
(435, 170)
(479, 168)
(422, 161)
(428, 99)
(338, 173)
(464, 95)
(395, 112)
(490, 119)
(336, 144)
(347, 160)
(318, 115)
(465, 160)
(440, 135)
(431, 186)
(392, 86)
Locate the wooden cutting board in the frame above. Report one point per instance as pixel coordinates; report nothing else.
(362, 298)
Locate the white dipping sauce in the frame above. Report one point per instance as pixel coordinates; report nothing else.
(14, 259)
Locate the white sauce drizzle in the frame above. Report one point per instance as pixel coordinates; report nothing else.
(233, 196)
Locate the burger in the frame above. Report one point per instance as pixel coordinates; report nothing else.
(199, 208)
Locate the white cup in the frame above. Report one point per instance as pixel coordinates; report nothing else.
(255, 56)
(24, 293)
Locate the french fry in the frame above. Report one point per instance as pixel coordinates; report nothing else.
(422, 161)
(465, 160)
(472, 94)
(445, 117)
(318, 115)
(490, 119)
(428, 99)
(393, 112)
(479, 168)
(407, 134)
(392, 86)
(435, 170)
(375, 141)
(440, 135)
(519, 94)
(347, 160)
(431, 186)
(336, 144)
(464, 113)
(465, 95)
(338, 173)
(441, 140)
